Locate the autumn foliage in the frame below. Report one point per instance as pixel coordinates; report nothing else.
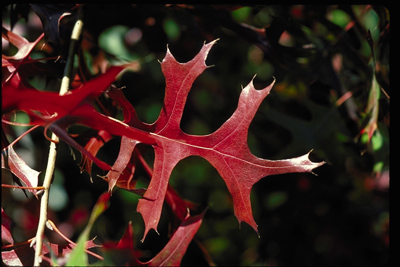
(96, 111)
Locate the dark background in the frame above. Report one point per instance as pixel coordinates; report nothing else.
(339, 216)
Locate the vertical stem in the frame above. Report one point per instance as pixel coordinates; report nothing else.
(53, 149)
(71, 54)
(44, 200)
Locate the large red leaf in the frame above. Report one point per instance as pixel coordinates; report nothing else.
(226, 149)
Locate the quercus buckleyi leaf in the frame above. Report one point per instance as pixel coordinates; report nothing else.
(226, 148)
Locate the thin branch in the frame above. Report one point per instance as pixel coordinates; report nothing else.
(15, 245)
(23, 187)
(20, 137)
(44, 201)
(53, 151)
(54, 227)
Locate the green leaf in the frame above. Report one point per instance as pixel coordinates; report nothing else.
(276, 199)
(112, 40)
(339, 17)
(172, 29)
(78, 256)
(241, 14)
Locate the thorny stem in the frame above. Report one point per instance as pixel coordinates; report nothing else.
(53, 151)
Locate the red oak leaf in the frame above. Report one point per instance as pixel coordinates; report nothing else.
(226, 149)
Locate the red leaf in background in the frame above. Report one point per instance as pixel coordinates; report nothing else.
(10, 64)
(93, 146)
(57, 112)
(6, 237)
(47, 107)
(170, 255)
(11, 161)
(23, 45)
(173, 252)
(124, 248)
(24, 255)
